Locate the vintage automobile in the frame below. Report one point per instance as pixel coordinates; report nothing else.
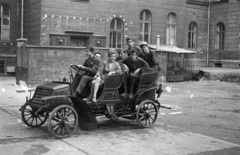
(54, 102)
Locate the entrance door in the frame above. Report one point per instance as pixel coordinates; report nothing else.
(2, 66)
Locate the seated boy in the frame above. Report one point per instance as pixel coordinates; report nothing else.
(135, 65)
(90, 66)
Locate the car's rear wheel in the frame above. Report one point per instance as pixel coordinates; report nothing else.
(147, 113)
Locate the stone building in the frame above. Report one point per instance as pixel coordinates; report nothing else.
(211, 27)
(10, 19)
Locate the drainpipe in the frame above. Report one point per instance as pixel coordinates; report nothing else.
(21, 47)
(22, 20)
(158, 42)
(208, 33)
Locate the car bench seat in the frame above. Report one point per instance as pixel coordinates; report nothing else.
(147, 80)
(110, 89)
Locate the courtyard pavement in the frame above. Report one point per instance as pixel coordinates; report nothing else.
(195, 124)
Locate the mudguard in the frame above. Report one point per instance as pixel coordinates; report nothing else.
(86, 119)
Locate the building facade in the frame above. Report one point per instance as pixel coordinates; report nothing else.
(211, 27)
(10, 19)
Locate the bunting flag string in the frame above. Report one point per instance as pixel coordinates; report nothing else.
(47, 16)
(77, 18)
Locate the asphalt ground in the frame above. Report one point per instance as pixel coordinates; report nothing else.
(199, 118)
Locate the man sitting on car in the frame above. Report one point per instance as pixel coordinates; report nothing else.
(149, 56)
(135, 65)
(90, 68)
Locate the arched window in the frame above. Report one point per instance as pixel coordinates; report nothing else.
(145, 26)
(192, 35)
(220, 36)
(4, 22)
(171, 29)
(116, 33)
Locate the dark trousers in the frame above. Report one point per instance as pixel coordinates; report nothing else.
(133, 78)
(83, 83)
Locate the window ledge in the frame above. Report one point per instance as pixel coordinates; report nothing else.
(221, 1)
(197, 2)
(80, 1)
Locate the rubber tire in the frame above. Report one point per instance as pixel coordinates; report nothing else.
(64, 126)
(34, 116)
(146, 114)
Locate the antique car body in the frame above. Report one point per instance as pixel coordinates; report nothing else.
(54, 102)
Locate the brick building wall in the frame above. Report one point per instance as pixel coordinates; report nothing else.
(32, 20)
(229, 15)
(50, 63)
(127, 10)
(15, 26)
(8, 46)
(38, 64)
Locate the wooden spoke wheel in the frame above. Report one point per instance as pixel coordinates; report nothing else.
(147, 113)
(31, 118)
(63, 121)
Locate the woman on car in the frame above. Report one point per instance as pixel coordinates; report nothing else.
(109, 67)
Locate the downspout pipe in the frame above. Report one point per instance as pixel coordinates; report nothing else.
(22, 19)
(208, 32)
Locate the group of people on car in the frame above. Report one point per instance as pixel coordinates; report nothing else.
(129, 62)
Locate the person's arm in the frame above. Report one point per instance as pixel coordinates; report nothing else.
(142, 64)
(118, 68)
(139, 50)
(83, 66)
(128, 64)
(154, 60)
(93, 70)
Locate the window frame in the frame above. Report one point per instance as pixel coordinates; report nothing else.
(170, 26)
(2, 26)
(117, 32)
(220, 35)
(142, 25)
(192, 35)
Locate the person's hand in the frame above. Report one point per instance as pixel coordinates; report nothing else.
(137, 71)
(110, 73)
(81, 66)
(97, 75)
(126, 68)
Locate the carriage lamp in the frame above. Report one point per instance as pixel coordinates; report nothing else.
(159, 91)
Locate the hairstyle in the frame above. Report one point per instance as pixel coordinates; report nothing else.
(90, 48)
(111, 51)
(143, 43)
(132, 50)
(129, 39)
(97, 53)
(122, 51)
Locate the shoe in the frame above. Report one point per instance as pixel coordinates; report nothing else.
(94, 99)
(130, 95)
(125, 95)
(87, 99)
(75, 94)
